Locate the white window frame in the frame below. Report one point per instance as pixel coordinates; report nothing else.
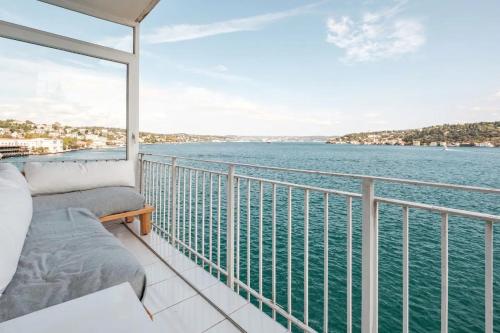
(129, 59)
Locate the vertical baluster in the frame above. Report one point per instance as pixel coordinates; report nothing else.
(146, 182)
(179, 199)
(160, 194)
(173, 192)
(189, 212)
(289, 257)
(155, 190)
(230, 227)
(444, 273)
(325, 264)
(261, 209)
(164, 187)
(196, 175)
(306, 257)
(160, 197)
(168, 189)
(219, 201)
(369, 275)
(273, 249)
(203, 186)
(349, 264)
(238, 213)
(488, 277)
(141, 173)
(406, 240)
(184, 192)
(210, 223)
(156, 193)
(152, 189)
(249, 194)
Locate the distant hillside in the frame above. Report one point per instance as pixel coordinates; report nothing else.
(472, 134)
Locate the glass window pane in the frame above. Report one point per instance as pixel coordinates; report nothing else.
(53, 101)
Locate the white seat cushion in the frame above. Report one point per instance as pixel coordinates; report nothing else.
(61, 177)
(16, 210)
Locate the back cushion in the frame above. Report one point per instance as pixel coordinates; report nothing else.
(61, 177)
(16, 210)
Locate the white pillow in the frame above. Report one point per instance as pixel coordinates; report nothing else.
(60, 177)
(16, 211)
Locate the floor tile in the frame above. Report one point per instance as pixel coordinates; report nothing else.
(193, 315)
(180, 262)
(253, 320)
(158, 272)
(227, 300)
(141, 252)
(134, 245)
(164, 294)
(200, 278)
(154, 240)
(223, 327)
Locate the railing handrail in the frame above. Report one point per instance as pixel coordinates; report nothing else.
(441, 209)
(489, 190)
(403, 203)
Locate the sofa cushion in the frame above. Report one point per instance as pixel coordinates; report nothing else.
(67, 254)
(16, 209)
(61, 177)
(100, 201)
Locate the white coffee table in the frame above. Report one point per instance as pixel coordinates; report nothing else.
(111, 310)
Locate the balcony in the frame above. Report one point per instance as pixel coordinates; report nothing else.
(250, 248)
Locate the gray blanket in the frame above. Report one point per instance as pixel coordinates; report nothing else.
(67, 254)
(100, 201)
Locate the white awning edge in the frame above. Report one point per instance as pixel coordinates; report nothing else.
(124, 12)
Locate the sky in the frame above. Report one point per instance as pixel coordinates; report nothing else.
(261, 67)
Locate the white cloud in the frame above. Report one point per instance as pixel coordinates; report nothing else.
(377, 35)
(217, 72)
(182, 32)
(497, 94)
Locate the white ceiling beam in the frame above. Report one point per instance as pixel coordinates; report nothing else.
(47, 39)
(147, 10)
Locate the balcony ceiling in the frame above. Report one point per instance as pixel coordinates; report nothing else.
(127, 12)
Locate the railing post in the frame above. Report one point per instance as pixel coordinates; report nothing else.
(141, 173)
(230, 227)
(173, 182)
(369, 296)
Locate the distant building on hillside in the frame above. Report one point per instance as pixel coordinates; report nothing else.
(416, 143)
(35, 145)
(485, 144)
(97, 141)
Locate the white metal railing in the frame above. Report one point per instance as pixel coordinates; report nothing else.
(194, 204)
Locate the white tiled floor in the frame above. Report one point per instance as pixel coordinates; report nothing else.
(178, 307)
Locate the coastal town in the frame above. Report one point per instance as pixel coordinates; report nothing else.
(18, 138)
(483, 134)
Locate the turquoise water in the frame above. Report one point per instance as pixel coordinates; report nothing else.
(469, 166)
